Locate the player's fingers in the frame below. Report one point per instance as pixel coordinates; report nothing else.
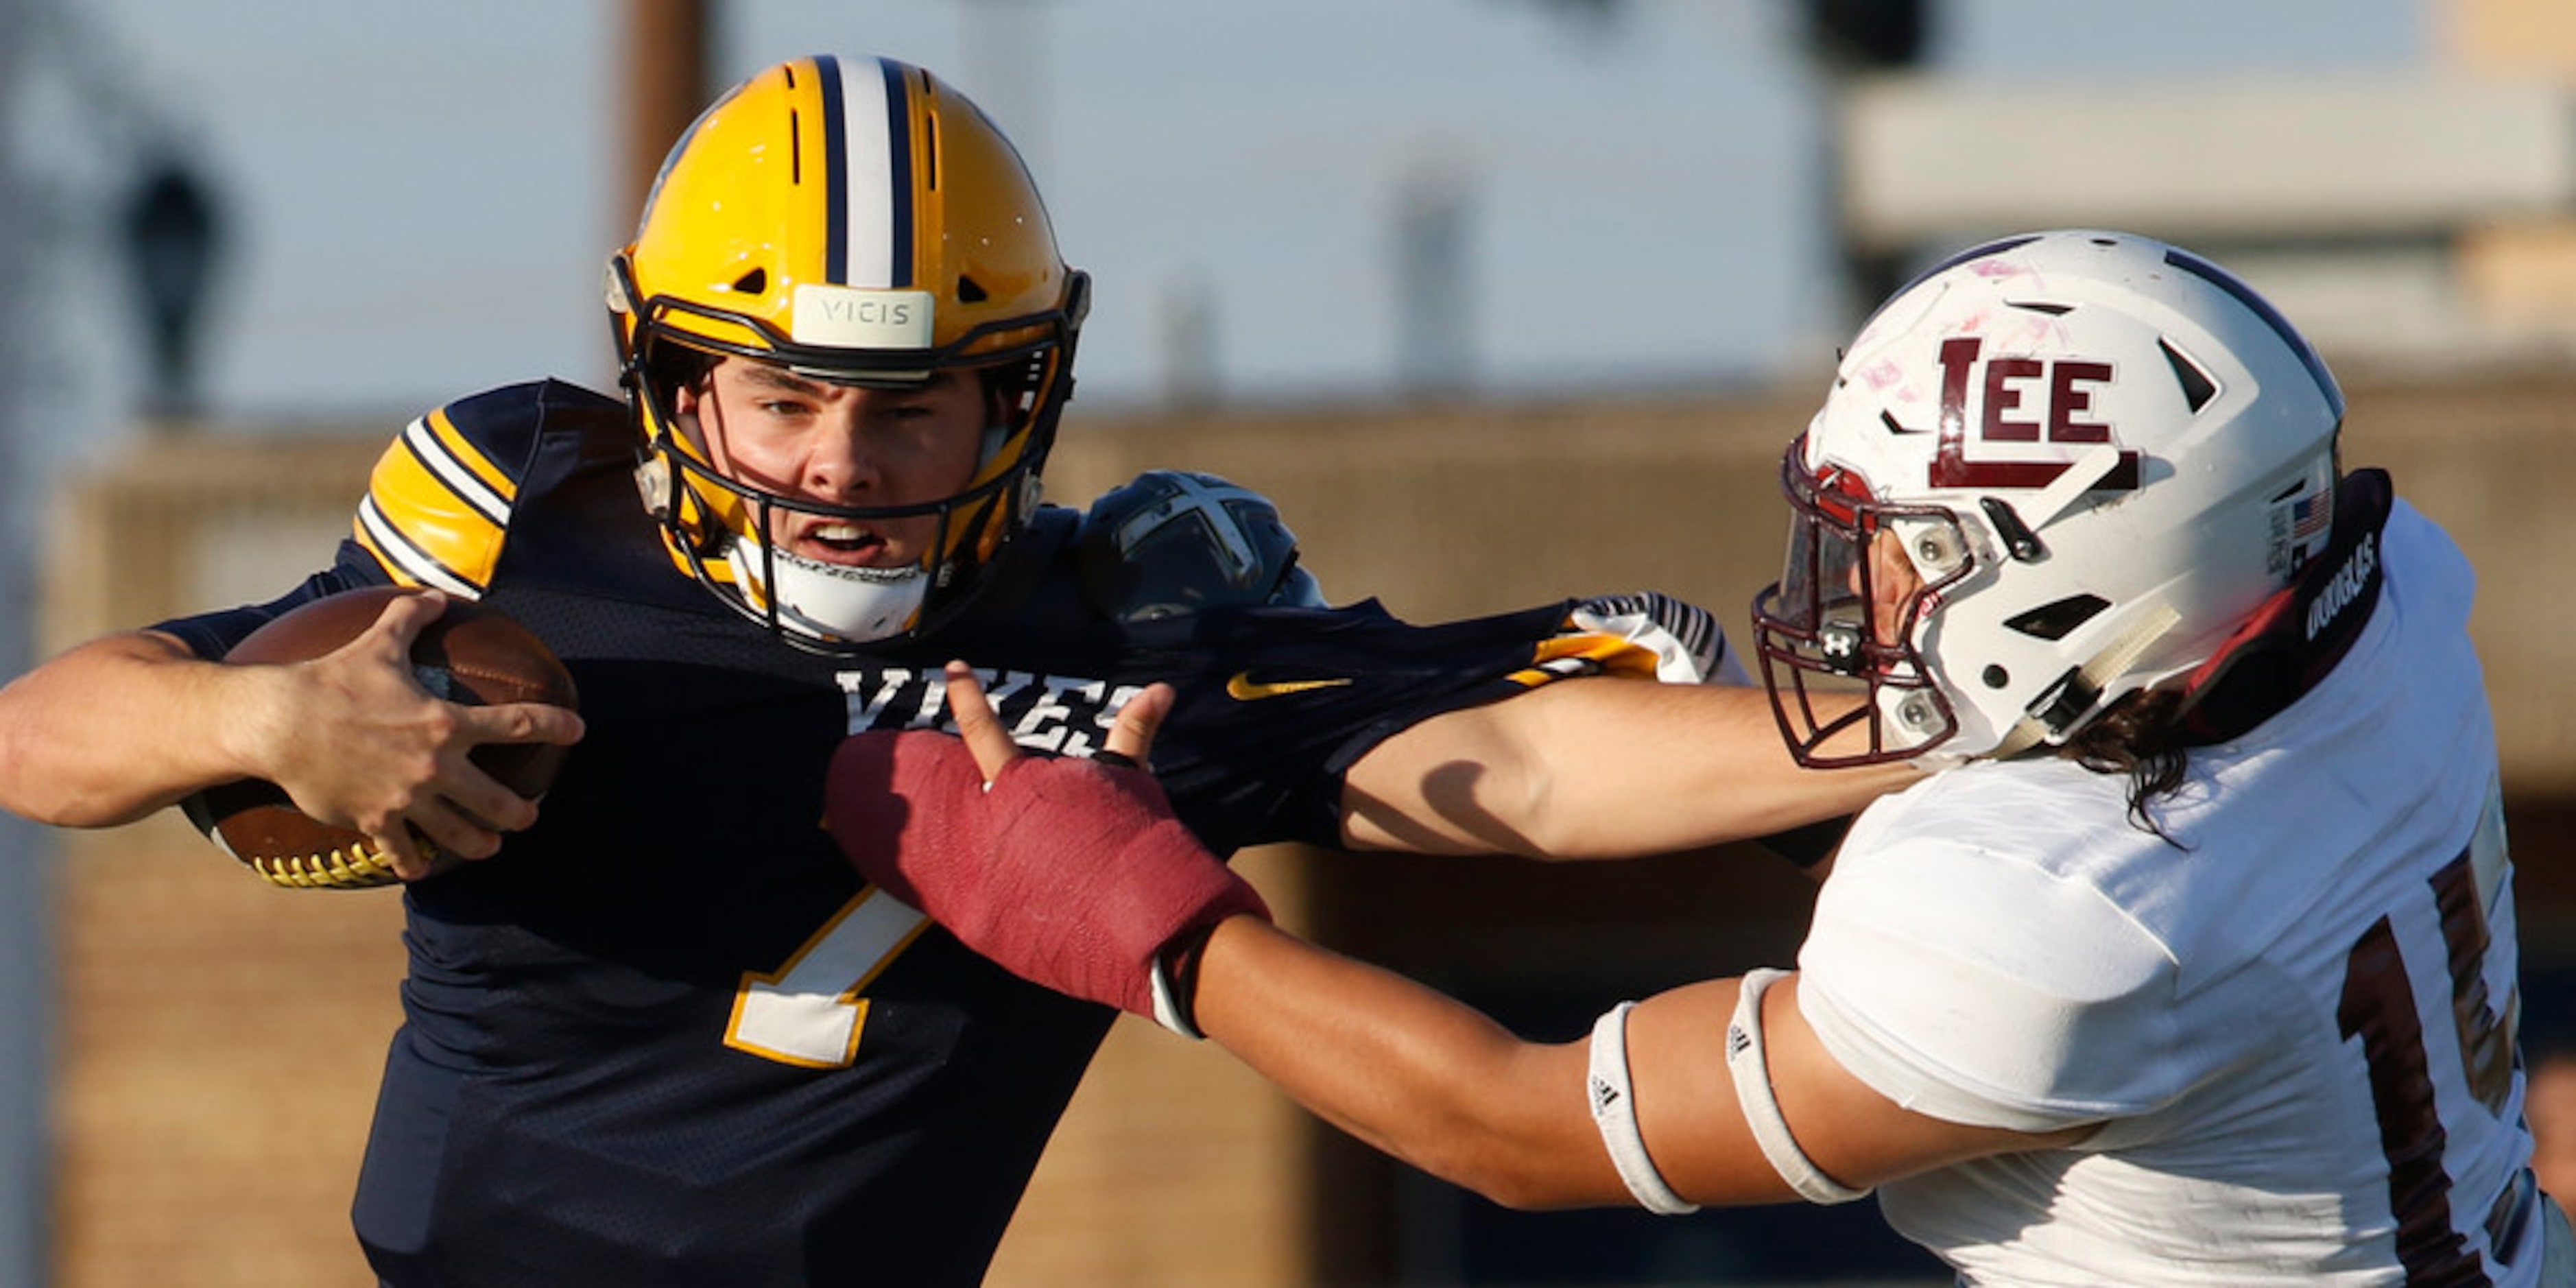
(1131, 737)
(976, 723)
(522, 735)
(406, 616)
(425, 859)
(403, 851)
(485, 801)
(450, 830)
(387, 643)
(523, 722)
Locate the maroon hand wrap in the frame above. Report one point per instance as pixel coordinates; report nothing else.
(1069, 874)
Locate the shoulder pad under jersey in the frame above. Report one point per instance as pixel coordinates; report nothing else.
(439, 501)
(1176, 541)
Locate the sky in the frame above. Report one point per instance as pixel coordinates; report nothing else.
(418, 198)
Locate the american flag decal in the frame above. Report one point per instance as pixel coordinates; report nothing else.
(2311, 515)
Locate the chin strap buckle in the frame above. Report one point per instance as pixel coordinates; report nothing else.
(2077, 695)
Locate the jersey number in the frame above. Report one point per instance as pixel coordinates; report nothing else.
(809, 1012)
(2379, 1007)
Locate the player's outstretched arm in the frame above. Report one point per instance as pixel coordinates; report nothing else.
(1596, 768)
(1431, 1081)
(1080, 879)
(124, 725)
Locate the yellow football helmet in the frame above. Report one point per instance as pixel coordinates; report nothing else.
(856, 221)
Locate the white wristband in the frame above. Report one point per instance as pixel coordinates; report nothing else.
(1169, 1009)
(1614, 1112)
(1752, 1074)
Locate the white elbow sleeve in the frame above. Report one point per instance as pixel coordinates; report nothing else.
(1751, 1070)
(1614, 1112)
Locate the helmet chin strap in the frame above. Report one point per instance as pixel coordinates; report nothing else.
(653, 482)
(2078, 693)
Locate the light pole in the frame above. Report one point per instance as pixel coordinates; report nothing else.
(1850, 40)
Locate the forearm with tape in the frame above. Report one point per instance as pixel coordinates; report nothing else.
(1067, 873)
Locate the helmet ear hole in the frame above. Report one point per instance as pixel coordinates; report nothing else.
(970, 291)
(2054, 621)
(754, 282)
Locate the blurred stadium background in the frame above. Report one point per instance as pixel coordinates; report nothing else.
(1567, 277)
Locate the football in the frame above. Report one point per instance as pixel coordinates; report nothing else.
(471, 655)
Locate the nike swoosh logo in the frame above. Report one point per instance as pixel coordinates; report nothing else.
(1243, 688)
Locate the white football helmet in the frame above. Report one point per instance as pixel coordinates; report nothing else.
(2098, 453)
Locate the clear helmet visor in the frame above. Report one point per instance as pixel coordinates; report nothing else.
(1837, 634)
(1820, 599)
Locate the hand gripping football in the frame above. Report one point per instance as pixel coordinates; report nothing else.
(470, 655)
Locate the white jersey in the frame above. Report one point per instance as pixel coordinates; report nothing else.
(2296, 1023)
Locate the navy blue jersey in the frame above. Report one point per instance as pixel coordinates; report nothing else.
(667, 1036)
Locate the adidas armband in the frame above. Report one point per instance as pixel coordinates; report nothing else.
(1614, 1112)
(1751, 1070)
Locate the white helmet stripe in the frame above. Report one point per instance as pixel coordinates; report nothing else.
(867, 147)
